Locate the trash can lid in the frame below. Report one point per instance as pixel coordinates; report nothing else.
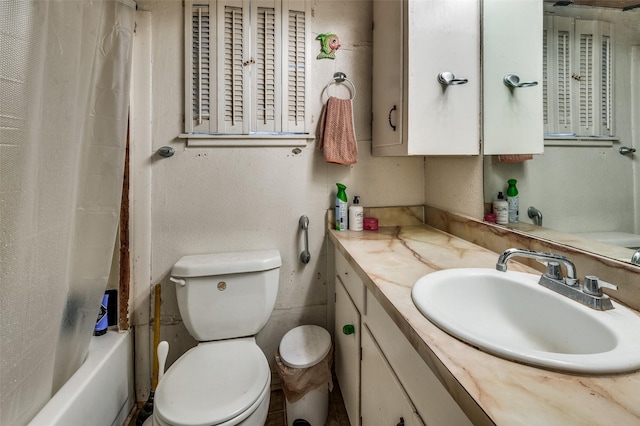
(305, 346)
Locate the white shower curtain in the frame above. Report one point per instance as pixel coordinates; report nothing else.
(64, 96)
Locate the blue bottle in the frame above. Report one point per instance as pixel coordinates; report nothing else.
(102, 323)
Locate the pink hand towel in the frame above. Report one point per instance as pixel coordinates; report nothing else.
(336, 132)
(514, 158)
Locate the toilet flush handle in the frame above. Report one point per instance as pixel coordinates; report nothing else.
(178, 281)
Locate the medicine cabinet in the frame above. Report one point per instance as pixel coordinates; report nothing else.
(426, 77)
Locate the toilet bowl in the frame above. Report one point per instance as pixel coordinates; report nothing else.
(235, 372)
(224, 300)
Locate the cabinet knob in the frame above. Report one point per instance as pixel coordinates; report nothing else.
(401, 422)
(348, 329)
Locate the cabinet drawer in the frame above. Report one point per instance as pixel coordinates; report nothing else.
(433, 402)
(352, 282)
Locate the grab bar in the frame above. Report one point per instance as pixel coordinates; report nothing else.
(305, 256)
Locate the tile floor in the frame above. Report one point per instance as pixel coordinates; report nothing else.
(337, 412)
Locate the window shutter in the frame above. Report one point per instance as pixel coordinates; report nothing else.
(268, 80)
(199, 44)
(578, 77)
(606, 82)
(246, 66)
(232, 97)
(586, 89)
(563, 69)
(545, 77)
(297, 34)
(557, 63)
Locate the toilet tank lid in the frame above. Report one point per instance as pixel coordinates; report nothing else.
(202, 265)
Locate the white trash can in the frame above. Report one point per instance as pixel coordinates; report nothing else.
(306, 354)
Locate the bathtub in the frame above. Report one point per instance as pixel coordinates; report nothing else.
(621, 239)
(100, 392)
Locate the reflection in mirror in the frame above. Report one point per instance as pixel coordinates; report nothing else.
(587, 191)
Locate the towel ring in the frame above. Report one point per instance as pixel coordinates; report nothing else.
(341, 77)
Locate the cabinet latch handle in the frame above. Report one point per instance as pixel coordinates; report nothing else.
(448, 79)
(390, 123)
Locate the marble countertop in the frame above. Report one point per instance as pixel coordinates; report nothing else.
(489, 389)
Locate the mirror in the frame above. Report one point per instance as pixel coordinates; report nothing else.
(586, 189)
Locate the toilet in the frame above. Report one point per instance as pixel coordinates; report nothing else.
(224, 300)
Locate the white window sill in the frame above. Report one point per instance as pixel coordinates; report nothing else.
(580, 141)
(253, 140)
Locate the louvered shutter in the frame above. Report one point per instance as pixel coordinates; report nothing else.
(199, 75)
(578, 91)
(267, 83)
(606, 86)
(233, 95)
(246, 63)
(295, 103)
(585, 32)
(557, 61)
(595, 78)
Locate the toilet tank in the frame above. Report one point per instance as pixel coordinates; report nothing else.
(226, 295)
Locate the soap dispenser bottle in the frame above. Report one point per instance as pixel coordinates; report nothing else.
(501, 209)
(341, 208)
(513, 200)
(356, 215)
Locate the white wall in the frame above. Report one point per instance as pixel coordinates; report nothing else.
(227, 199)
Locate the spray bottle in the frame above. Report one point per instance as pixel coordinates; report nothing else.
(342, 213)
(513, 200)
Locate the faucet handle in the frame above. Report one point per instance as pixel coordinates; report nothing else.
(593, 285)
(553, 270)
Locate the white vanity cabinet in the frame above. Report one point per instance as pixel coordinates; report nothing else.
(512, 45)
(413, 42)
(383, 379)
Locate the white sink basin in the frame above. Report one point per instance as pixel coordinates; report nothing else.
(510, 315)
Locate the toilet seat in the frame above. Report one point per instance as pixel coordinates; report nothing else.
(213, 383)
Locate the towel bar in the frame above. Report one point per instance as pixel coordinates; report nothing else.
(341, 77)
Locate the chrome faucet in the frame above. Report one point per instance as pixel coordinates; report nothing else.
(541, 257)
(636, 257)
(589, 294)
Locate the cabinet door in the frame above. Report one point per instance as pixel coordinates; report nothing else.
(512, 44)
(384, 401)
(443, 36)
(431, 399)
(347, 352)
(388, 56)
(413, 42)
